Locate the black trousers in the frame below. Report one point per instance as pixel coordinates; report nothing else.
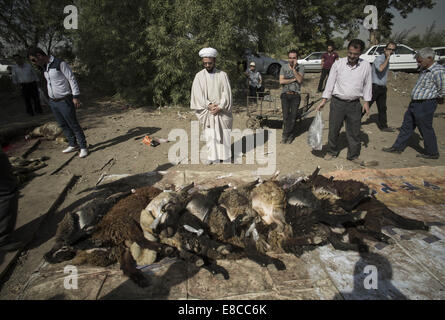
(30, 94)
(324, 74)
(420, 115)
(254, 90)
(9, 196)
(290, 104)
(350, 113)
(8, 215)
(379, 96)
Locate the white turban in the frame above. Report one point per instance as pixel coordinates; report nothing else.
(208, 53)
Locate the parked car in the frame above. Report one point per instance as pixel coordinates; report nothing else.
(402, 59)
(440, 54)
(5, 66)
(312, 62)
(263, 63)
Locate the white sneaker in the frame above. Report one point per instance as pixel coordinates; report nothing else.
(83, 153)
(70, 149)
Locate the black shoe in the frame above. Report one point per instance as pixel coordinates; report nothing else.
(392, 150)
(387, 129)
(427, 156)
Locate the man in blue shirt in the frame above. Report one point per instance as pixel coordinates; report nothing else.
(379, 77)
(427, 93)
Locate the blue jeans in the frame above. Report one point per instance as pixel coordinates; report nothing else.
(419, 114)
(65, 114)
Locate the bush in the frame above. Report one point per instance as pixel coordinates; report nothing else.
(152, 58)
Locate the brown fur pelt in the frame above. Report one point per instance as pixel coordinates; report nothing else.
(115, 226)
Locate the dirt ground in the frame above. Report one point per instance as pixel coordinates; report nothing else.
(114, 132)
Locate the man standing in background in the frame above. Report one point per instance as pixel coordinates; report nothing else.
(327, 60)
(63, 92)
(291, 78)
(255, 81)
(24, 75)
(380, 69)
(427, 93)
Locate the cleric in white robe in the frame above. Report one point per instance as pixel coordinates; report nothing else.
(211, 99)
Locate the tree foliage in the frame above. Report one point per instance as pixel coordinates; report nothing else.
(25, 23)
(430, 38)
(147, 50)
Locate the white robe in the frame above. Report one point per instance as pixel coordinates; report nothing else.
(214, 88)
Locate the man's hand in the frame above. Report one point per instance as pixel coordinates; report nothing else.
(321, 105)
(388, 54)
(365, 108)
(76, 102)
(215, 110)
(440, 100)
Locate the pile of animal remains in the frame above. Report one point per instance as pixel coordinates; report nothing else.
(24, 169)
(227, 223)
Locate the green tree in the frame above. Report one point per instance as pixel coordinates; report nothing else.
(25, 23)
(147, 51)
(431, 38)
(314, 21)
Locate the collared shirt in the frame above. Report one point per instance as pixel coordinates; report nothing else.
(378, 77)
(329, 59)
(23, 74)
(431, 83)
(60, 83)
(289, 74)
(349, 82)
(254, 78)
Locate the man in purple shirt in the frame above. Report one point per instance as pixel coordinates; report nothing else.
(350, 79)
(327, 60)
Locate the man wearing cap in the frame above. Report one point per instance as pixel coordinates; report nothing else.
(255, 81)
(211, 98)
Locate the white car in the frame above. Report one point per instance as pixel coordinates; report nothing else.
(5, 65)
(402, 59)
(440, 54)
(312, 62)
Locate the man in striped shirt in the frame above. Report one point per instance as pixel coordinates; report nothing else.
(427, 93)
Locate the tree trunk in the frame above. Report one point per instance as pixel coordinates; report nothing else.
(373, 37)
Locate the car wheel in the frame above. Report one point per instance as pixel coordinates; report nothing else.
(274, 70)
